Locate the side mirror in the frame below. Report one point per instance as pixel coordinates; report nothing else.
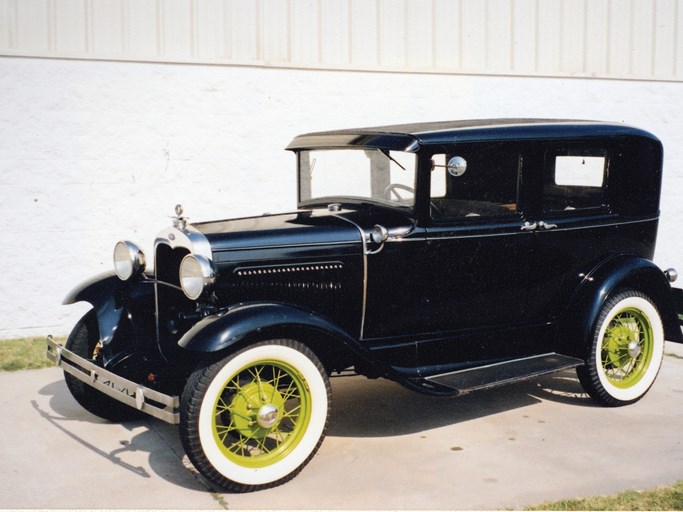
(457, 166)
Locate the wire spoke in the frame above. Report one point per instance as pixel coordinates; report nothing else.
(224, 431)
(239, 446)
(291, 391)
(261, 445)
(276, 382)
(630, 367)
(234, 385)
(255, 372)
(292, 413)
(279, 437)
(221, 407)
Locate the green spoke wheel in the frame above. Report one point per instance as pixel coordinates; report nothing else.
(254, 419)
(626, 350)
(261, 414)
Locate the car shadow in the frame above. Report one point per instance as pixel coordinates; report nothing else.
(158, 439)
(361, 408)
(380, 408)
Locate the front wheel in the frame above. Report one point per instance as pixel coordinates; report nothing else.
(254, 419)
(84, 341)
(626, 350)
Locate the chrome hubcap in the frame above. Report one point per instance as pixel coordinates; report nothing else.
(634, 349)
(267, 416)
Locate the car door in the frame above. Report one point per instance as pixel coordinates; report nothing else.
(575, 227)
(465, 281)
(477, 263)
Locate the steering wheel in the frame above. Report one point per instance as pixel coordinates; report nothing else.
(394, 188)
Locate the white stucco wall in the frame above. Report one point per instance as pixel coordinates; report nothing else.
(93, 152)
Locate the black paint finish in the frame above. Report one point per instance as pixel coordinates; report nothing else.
(446, 290)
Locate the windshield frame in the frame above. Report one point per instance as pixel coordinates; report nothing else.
(303, 156)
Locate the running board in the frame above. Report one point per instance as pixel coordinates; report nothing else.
(498, 374)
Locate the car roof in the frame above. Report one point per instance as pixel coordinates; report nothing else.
(410, 137)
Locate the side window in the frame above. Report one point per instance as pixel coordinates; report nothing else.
(574, 180)
(580, 171)
(475, 181)
(438, 182)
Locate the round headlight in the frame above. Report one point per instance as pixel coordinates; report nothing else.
(129, 261)
(196, 274)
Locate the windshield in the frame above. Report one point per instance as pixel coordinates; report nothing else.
(380, 176)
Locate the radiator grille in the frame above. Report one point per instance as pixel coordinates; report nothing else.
(170, 299)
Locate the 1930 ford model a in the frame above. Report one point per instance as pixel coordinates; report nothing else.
(447, 257)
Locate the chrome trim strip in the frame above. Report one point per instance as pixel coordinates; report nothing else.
(365, 270)
(284, 246)
(494, 365)
(520, 232)
(190, 238)
(124, 390)
(560, 228)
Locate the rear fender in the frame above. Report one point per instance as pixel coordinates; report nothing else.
(578, 322)
(124, 311)
(256, 321)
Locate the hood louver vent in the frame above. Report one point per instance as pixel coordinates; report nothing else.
(260, 271)
(311, 277)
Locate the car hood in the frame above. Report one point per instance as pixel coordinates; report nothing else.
(316, 226)
(286, 229)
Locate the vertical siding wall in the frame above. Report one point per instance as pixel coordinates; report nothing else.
(641, 39)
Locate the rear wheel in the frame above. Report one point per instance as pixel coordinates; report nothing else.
(626, 350)
(254, 419)
(84, 341)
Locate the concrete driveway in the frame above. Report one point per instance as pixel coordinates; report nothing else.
(387, 448)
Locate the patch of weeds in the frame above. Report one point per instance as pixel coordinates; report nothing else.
(24, 354)
(661, 498)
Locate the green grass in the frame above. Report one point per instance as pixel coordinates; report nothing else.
(24, 354)
(661, 498)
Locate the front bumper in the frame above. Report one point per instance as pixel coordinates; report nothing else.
(149, 401)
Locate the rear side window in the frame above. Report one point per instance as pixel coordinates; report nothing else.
(575, 180)
(580, 171)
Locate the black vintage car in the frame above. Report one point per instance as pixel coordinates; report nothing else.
(447, 257)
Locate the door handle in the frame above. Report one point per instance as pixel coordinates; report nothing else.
(531, 226)
(546, 225)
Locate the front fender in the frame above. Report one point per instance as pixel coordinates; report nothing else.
(217, 332)
(626, 271)
(124, 310)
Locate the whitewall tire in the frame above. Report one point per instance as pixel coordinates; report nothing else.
(254, 419)
(626, 351)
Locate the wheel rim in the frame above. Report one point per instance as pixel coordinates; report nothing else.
(261, 414)
(627, 348)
